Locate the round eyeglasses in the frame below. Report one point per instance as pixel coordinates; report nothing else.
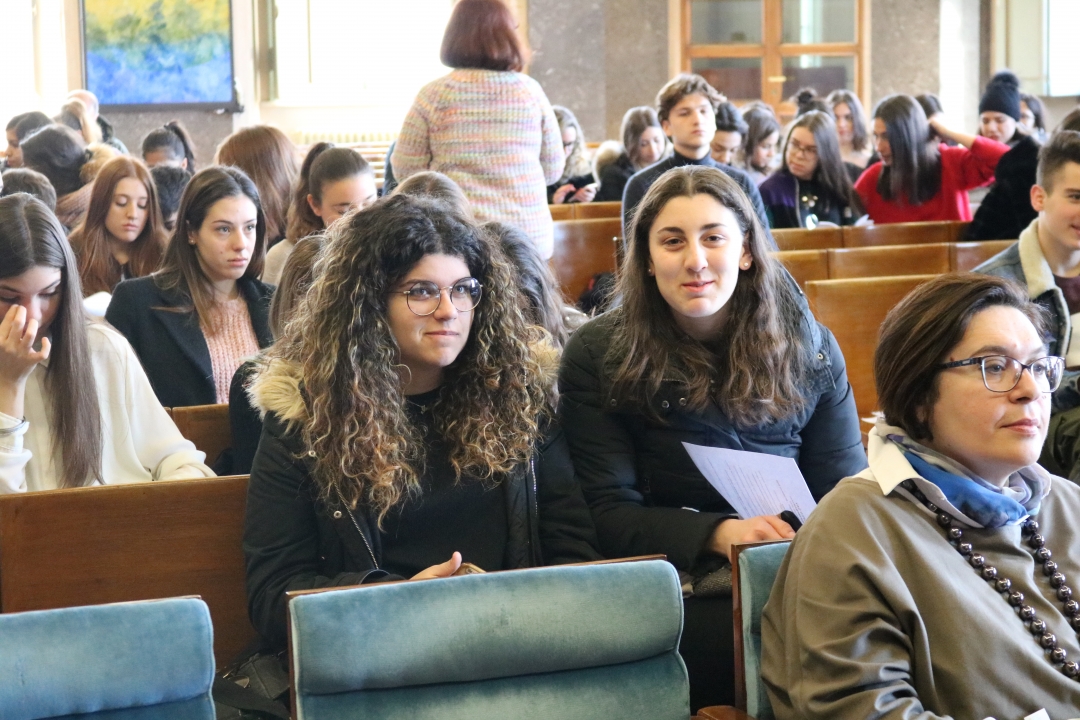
(1001, 373)
(424, 297)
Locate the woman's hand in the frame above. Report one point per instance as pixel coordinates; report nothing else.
(446, 569)
(755, 529)
(585, 194)
(560, 195)
(18, 358)
(946, 134)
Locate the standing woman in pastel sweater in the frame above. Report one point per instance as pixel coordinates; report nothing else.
(486, 125)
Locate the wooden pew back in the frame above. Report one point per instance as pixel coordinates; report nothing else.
(964, 256)
(207, 426)
(805, 265)
(582, 249)
(116, 543)
(904, 233)
(595, 210)
(854, 310)
(888, 260)
(817, 239)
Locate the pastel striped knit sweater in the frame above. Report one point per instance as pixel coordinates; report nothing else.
(495, 135)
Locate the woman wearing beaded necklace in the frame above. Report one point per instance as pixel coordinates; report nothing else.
(937, 582)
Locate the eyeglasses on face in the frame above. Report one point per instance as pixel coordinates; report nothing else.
(797, 148)
(1001, 373)
(425, 297)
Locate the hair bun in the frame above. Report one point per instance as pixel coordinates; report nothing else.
(806, 95)
(1005, 77)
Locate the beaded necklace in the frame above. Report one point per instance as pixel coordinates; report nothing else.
(1037, 543)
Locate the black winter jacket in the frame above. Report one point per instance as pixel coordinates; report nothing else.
(645, 492)
(1006, 210)
(294, 541)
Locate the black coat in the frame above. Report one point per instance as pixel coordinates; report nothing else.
(295, 541)
(639, 480)
(1006, 210)
(613, 179)
(171, 345)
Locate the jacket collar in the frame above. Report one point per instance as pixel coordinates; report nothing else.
(258, 310)
(184, 329)
(1040, 281)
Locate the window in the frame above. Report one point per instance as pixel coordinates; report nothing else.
(768, 49)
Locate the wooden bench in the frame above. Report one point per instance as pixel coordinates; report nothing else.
(116, 543)
(904, 233)
(586, 211)
(854, 310)
(207, 426)
(817, 239)
(582, 249)
(964, 256)
(805, 265)
(888, 260)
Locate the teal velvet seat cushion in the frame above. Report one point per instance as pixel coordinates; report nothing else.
(484, 627)
(96, 659)
(757, 573)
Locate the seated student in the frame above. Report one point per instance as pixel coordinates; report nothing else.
(850, 128)
(1045, 262)
(123, 235)
(24, 180)
(544, 305)
(59, 153)
(169, 144)
(806, 100)
(686, 108)
(18, 128)
(171, 181)
(75, 406)
(108, 136)
(1033, 117)
(244, 418)
(643, 143)
(1006, 209)
(195, 320)
(760, 144)
(712, 345)
(812, 185)
(433, 184)
(333, 181)
(923, 586)
(424, 420)
(269, 158)
(918, 180)
(731, 130)
(577, 183)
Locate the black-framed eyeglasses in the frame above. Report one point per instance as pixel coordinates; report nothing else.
(424, 297)
(1001, 373)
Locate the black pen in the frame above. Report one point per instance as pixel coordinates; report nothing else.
(791, 519)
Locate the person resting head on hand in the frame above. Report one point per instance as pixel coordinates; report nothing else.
(945, 567)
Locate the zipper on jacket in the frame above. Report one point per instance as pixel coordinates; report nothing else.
(362, 535)
(536, 508)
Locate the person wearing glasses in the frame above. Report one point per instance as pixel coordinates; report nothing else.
(939, 582)
(409, 419)
(812, 186)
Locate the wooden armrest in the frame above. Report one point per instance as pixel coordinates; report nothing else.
(721, 712)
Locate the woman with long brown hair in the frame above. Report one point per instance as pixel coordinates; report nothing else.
(75, 406)
(123, 235)
(272, 162)
(713, 345)
(420, 404)
(204, 312)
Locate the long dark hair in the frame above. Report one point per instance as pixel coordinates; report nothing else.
(98, 268)
(760, 123)
(323, 165)
(174, 139)
(58, 153)
(180, 270)
(31, 236)
(914, 175)
(830, 170)
(363, 444)
(755, 371)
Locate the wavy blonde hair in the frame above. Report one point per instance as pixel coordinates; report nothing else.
(492, 398)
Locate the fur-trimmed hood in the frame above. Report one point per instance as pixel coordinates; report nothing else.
(276, 387)
(608, 153)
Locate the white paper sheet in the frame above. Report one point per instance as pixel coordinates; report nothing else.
(754, 483)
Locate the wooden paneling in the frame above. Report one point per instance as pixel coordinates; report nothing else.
(116, 543)
(583, 248)
(207, 426)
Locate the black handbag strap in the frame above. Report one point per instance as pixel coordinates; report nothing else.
(229, 693)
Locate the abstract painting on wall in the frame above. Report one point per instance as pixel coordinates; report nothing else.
(159, 52)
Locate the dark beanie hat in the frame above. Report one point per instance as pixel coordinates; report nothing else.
(1002, 95)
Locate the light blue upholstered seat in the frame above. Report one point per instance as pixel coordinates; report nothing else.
(758, 566)
(128, 661)
(560, 642)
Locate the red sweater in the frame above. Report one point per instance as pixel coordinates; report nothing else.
(961, 170)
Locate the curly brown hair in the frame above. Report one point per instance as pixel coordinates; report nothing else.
(356, 428)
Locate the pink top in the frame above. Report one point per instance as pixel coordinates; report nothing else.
(234, 342)
(961, 170)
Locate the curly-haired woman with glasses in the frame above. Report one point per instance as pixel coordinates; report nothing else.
(409, 419)
(938, 582)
